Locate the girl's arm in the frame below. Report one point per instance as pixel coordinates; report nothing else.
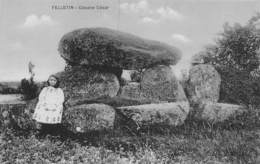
(42, 94)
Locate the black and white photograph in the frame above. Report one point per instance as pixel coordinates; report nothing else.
(129, 81)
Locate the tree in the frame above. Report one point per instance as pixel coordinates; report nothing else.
(237, 47)
(236, 55)
(29, 89)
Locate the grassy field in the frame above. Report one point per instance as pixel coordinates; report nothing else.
(193, 142)
(234, 141)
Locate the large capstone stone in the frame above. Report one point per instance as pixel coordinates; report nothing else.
(89, 117)
(88, 83)
(110, 48)
(203, 84)
(172, 114)
(216, 112)
(160, 83)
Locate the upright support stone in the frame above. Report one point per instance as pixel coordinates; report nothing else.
(160, 83)
(203, 84)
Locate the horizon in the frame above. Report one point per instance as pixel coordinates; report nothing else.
(31, 30)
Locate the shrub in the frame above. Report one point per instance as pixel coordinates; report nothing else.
(29, 89)
(239, 87)
(235, 56)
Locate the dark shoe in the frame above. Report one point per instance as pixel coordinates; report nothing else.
(38, 126)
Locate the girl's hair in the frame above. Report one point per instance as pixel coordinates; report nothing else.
(57, 83)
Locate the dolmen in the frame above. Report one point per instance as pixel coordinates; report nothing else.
(95, 98)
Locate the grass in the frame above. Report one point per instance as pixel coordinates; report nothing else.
(193, 142)
(233, 141)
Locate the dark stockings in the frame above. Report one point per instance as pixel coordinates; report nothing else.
(52, 129)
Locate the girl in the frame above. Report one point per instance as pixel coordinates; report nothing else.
(49, 108)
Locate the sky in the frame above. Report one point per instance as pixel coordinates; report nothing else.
(31, 30)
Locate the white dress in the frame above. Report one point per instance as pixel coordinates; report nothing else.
(50, 106)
